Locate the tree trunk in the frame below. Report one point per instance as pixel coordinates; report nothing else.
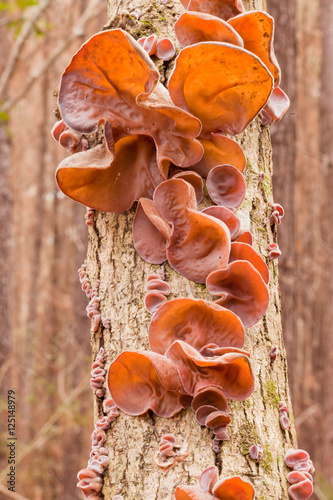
(133, 441)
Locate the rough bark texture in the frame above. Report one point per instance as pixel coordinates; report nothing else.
(132, 441)
(303, 159)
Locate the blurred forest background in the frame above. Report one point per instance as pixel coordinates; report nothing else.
(44, 341)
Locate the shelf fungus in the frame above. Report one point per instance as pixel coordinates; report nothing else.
(170, 228)
(227, 216)
(219, 150)
(226, 91)
(196, 322)
(144, 131)
(229, 488)
(196, 27)
(143, 380)
(242, 284)
(228, 368)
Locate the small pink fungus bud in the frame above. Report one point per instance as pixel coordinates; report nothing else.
(165, 49)
(137, 13)
(157, 288)
(142, 40)
(106, 322)
(150, 44)
(261, 176)
(256, 452)
(84, 280)
(216, 445)
(166, 446)
(274, 251)
(98, 438)
(274, 352)
(284, 419)
(277, 213)
(90, 217)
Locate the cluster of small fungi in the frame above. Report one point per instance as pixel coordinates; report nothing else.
(91, 478)
(301, 476)
(158, 146)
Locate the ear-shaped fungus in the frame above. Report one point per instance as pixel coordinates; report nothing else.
(302, 485)
(112, 80)
(226, 186)
(151, 233)
(231, 372)
(229, 218)
(257, 31)
(196, 27)
(242, 289)
(223, 85)
(223, 9)
(194, 179)
(209, 478)
(165, 49)
(156, 289)
(197, 322)
(143, 380)
(230, 488)
(108, 182)
(244, 251)
(292, 457)
(277, 105)
(234, 488)
(197, 243)
(219, 150)
(209, 404)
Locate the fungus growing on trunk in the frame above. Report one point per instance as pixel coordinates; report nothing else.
(197, 322)
(274, 251)
(229, 218)
(143, 380)
(165, 49)
(226, 186)
(157, 289)
(223, 85)
(130, 101)
(169, 452)
(194, 243)
(256, 29)
(230, 370)
(256, 452)
(229, 488)
(242, 290)
(219, 150)
(196, 27)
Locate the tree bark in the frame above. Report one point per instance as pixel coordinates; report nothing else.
(133, 441)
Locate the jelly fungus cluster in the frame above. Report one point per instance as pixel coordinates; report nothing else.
(210, 487)
(157, 145)
(301, 476)
(156, 289)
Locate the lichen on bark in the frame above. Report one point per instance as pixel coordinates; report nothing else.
(133, 441)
